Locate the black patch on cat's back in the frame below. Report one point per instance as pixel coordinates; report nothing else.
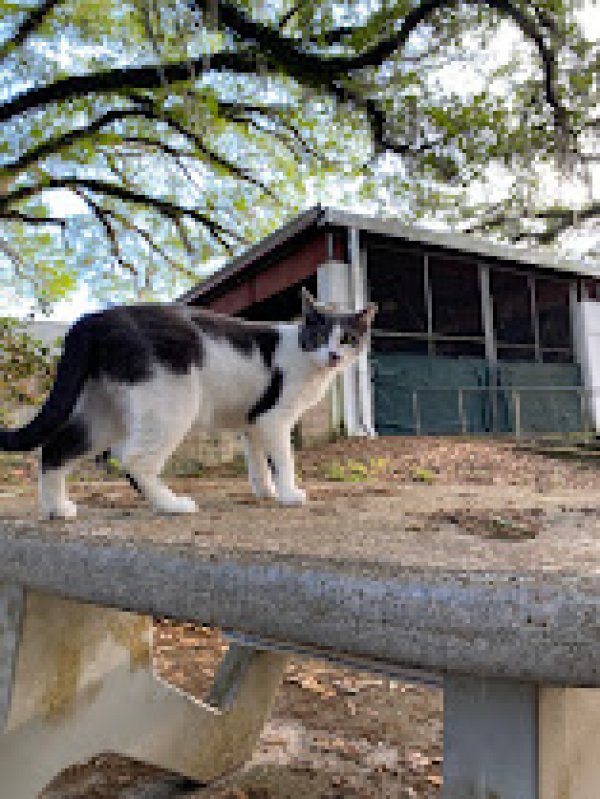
(129, 340)
(243, 336)
(269, 398)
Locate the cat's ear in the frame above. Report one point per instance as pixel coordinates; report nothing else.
(368, 313)
(309, 304)
(365, 317)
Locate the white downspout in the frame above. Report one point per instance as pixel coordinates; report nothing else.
(359, 381)
(346, 285)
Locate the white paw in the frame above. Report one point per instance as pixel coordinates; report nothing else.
(66, 510)
(292, 496)
(261, 491)
(178, 505)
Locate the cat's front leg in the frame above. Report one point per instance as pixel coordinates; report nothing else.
(259, 473)
(276, 436)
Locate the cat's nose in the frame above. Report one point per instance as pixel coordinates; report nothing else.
(334, 358)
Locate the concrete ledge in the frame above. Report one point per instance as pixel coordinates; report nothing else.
(537, 627)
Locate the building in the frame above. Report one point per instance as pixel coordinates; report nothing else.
(49, 333)
(471, 337)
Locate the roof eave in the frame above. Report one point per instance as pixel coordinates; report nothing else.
(261, 249)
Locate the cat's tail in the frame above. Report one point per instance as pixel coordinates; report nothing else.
(71, 373)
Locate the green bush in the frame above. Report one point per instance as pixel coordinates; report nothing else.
(26, 368)
(421, 475)
(354, 471)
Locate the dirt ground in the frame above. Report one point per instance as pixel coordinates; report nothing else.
(335, 732)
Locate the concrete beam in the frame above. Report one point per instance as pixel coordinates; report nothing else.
(532, 626)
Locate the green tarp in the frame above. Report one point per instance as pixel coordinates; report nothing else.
(422, 395)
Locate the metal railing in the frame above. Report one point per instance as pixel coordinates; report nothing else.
(514, 410)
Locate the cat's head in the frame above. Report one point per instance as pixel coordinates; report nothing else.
(333, 339)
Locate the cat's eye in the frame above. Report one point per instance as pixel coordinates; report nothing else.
(349, 339)
(320, 339)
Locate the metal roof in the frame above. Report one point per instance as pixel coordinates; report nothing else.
(320, 216)
(460, 242)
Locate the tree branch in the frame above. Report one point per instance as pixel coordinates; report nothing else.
(144, 143)
(31, 22)
(290, 136)
(183, 235)
(166, 208)
(13, 256)
(285, 53)
(281, 52)
(56, 143)
(559, 220)
(103, 217)
(145, 235)
(217, 159)
(115, 81)
(32, 220)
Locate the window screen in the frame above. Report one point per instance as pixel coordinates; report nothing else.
(397, 285)
(554, 317)
(456, 297)
(511, 300)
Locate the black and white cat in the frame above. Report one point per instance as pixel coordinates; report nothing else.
(133, 379)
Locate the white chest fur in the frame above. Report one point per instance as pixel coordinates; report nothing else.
(230, 383)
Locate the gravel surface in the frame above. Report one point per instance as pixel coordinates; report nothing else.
(451, 461)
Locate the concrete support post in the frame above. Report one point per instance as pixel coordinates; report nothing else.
(487, 314)
(569, 742)
(575, 321)
(512, 740)
(489, 739)
(332, 286)
(351, 374)
(77, 680)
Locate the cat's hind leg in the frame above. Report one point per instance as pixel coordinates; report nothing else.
(93, 426)
(159, 414)
(57, 459)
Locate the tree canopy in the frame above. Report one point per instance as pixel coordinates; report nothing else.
(140, 138)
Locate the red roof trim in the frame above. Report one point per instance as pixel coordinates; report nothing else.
(281, 274)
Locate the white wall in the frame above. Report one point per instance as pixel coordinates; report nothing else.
(588, 349)
(332, 286)
(345, 284)
(48, 332)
